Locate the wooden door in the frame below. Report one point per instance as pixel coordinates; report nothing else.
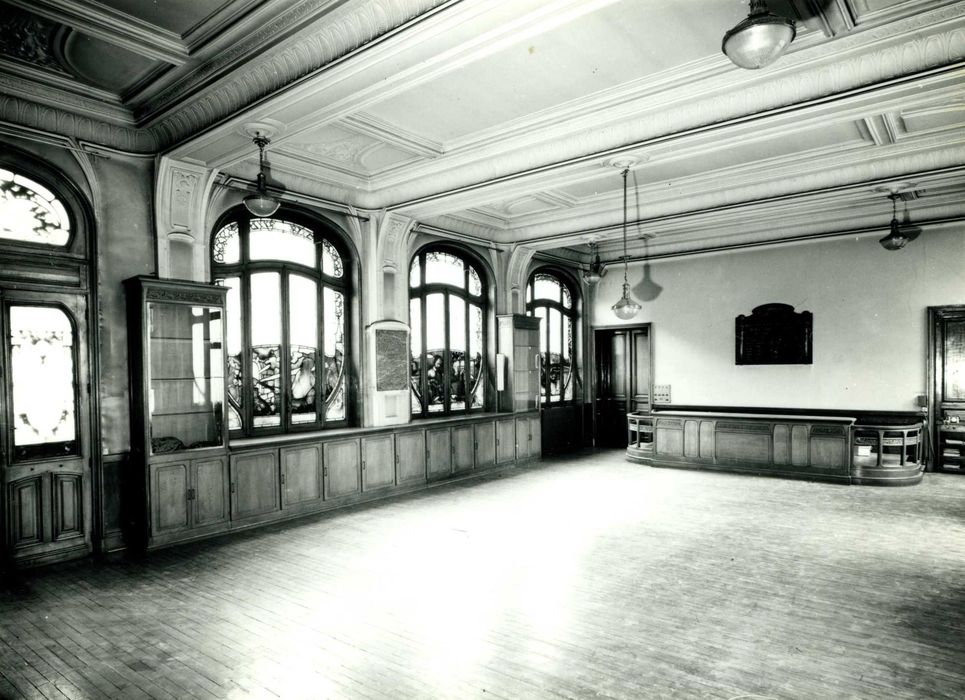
(485, 434)
(410, 457)
(209, 492)
(342, 468)
(301, 473)
(505, 440)
(946, 369)
(45, 430)
(254, 484)
(438, 453)
(378, 462)
(463, 441)
(623, 380)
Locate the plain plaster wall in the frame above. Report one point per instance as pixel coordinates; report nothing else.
(869, 309)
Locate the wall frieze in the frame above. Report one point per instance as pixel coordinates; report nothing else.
(68, 123)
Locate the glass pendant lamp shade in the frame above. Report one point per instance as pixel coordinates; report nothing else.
(261, 203)
(760, 39)
(895, 240)
(626, 308)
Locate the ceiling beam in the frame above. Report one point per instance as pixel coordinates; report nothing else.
(112, 26)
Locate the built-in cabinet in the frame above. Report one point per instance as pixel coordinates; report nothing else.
(195, 484)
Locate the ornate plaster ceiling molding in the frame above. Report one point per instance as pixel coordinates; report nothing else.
(216, 91)
(113, 26)
(810, 80)
(29, 38)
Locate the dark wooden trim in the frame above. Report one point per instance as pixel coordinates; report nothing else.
(863, 416)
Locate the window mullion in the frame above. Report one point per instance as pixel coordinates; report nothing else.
(247, 378)
(284, 360)
(321, 380)
(423, 364)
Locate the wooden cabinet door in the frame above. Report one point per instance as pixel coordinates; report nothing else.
(485, 445)
(523, 438)
(169, 498)
(254, 484)
(410, 457)
(505, 440)
(342, 468)
(378, 462)
(301, 473)
(438, 455)
(209, 491)
(535, 436)
(463, 448)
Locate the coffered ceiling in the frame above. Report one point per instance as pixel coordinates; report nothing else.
(505, 122)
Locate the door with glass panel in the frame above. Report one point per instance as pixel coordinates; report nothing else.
(45, 435)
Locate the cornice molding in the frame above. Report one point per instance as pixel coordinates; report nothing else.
(346, 29)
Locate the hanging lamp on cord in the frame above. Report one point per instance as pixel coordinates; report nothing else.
(626, 308)
(896, 238)
(760, 39)
(261, 203)
(596, 271)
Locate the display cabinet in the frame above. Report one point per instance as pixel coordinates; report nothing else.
(178, 437)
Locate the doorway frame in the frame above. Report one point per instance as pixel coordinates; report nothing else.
(936, 314)
(594, 388)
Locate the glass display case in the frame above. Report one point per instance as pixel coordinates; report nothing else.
(185, 375)
(179, 432)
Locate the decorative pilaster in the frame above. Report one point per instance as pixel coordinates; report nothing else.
(180, 196)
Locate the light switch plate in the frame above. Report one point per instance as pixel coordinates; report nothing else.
(661, 393)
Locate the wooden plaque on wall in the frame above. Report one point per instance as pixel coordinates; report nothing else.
(391, 360)
(774, 334)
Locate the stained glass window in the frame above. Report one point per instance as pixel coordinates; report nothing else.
(448, 334)
(550, 299)
(31, 213)
(44, 387)
(287, 324)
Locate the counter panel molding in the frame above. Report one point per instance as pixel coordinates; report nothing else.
(820, 447)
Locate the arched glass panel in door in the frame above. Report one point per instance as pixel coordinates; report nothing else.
(43, 382)
(550, 298)
(287, 302)
(447, 312)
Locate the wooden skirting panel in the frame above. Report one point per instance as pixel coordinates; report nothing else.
(805, 446)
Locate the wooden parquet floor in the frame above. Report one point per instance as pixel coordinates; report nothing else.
(585, 577)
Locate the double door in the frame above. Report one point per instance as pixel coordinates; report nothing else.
(45, 433)
(623, 380)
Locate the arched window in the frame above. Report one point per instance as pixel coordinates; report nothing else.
(549, 297)
(288, 335)
(447, 316)
(30, 212)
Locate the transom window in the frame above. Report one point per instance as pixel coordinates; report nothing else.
(549, 297)
(31, 213)
(447, 317)
(287, 318)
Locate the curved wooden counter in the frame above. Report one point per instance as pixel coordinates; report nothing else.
(798, 446)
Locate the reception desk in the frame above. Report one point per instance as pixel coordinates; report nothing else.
(800, 446)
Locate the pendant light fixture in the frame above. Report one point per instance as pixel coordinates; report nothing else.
(596, 270)
(626, 308)
(261, 203)
(760, 39)
(898, 237)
